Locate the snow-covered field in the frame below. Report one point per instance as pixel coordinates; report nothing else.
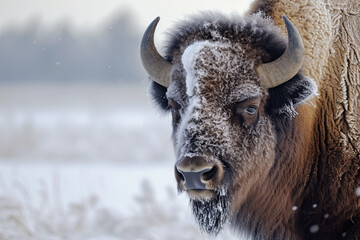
(88, 162)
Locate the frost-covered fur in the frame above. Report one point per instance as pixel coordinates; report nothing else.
(303, 150)
(216, 78)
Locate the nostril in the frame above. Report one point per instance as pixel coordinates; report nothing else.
(206, 176)
(179, 176)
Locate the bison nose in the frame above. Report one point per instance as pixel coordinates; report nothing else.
(197, 174)
(197, 180)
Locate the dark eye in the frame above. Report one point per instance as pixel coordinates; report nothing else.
(247, 112)
(251, 110)
(174, 113)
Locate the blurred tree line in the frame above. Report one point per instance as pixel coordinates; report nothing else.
(108, 53)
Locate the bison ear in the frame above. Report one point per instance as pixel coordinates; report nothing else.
(158, 94)
(283, 99)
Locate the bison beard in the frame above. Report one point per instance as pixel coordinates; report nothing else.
(211, 215)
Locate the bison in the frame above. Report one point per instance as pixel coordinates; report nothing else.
(266, 129)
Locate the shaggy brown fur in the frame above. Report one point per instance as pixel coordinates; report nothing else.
(328, 168)
(292, 174)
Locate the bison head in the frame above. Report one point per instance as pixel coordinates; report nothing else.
(226, 83)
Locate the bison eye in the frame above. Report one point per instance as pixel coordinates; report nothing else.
(174, 108)
(251, 110)
(247, 112)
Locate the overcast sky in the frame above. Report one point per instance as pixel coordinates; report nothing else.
(87, 14)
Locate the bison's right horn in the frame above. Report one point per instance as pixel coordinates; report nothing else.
(284, 68)
(155, 65)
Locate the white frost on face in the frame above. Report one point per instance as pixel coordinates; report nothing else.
(188, 59)
(191, 56)
(211, 215)
(189, 114)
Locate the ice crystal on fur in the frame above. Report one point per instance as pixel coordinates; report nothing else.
(211, 215)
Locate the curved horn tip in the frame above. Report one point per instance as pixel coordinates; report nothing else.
(285, 18)
(284, 68)
(288, 24)
(293, 33)
(155, 65)
(155, 21)
(149, 32)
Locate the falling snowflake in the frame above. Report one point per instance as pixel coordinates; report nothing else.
(314, 228)
(357, 191)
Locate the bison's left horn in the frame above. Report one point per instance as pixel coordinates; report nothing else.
(284, 68)
(155, 65)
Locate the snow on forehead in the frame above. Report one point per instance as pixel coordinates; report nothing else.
(190, 55)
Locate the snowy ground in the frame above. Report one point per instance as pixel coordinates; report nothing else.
(88, 162)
